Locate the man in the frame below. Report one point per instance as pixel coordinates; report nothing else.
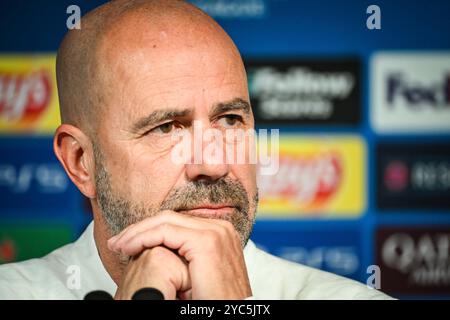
(136, 73)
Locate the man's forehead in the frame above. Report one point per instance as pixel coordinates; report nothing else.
(138, 33)
(157, 67)
(152, 41)
(164, 61)
(184, 82)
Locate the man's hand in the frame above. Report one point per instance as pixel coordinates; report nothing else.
(156, 268)
(211, 247)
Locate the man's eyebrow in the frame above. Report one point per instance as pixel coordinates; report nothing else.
(157, 117)
(235, 104)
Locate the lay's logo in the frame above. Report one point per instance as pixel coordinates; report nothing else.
(28, 95)
(23, 97)
(317, 176)
(311, 180)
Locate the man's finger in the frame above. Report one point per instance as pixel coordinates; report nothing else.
(167, 217)
(168, 235)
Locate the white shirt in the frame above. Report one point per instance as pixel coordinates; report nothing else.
(72, 271)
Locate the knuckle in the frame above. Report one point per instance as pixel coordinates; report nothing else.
(227, 229)
(223, 231)
(164, 213)
(158, 251)
(155, 254)
(236, 236)
(164, 227)
(228, 226)
(211, 239)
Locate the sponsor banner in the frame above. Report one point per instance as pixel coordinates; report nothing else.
(20, 242)
(32, 178)
(305, 91)
(337, 251)
(410, 92)
(233, 9)
(413, 176)
(28, 94)
(414, 260)
(317, 176)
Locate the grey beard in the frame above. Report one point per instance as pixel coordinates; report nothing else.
(119, 213)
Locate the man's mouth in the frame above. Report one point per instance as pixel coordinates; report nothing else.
(209, 210)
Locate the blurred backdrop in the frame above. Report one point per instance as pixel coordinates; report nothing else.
(364, 119)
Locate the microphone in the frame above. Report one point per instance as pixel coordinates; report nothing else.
(141, 294)
(98, 295)
(148, 294)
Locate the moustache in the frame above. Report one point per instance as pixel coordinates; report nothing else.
(197, 193)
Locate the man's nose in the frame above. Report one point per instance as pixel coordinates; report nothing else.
(208, 160)
(208, 172)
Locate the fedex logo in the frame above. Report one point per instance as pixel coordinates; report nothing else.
(416, 94)
(410, 92)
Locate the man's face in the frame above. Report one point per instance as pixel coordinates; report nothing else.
(154, 91)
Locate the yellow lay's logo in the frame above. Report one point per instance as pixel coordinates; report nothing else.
(28, 94)
(316, 177)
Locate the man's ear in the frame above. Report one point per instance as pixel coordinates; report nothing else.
(74, 150)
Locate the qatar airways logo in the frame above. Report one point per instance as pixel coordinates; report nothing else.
(423, 258)
(231, 146)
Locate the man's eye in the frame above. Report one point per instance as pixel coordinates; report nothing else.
(231, 120)
(164, 128)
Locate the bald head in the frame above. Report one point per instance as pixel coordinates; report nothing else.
(134, 82)
(121, 35)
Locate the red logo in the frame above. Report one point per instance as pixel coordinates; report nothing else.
(396, 176)
(7, 251)
(306, 180)
(23, 97)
